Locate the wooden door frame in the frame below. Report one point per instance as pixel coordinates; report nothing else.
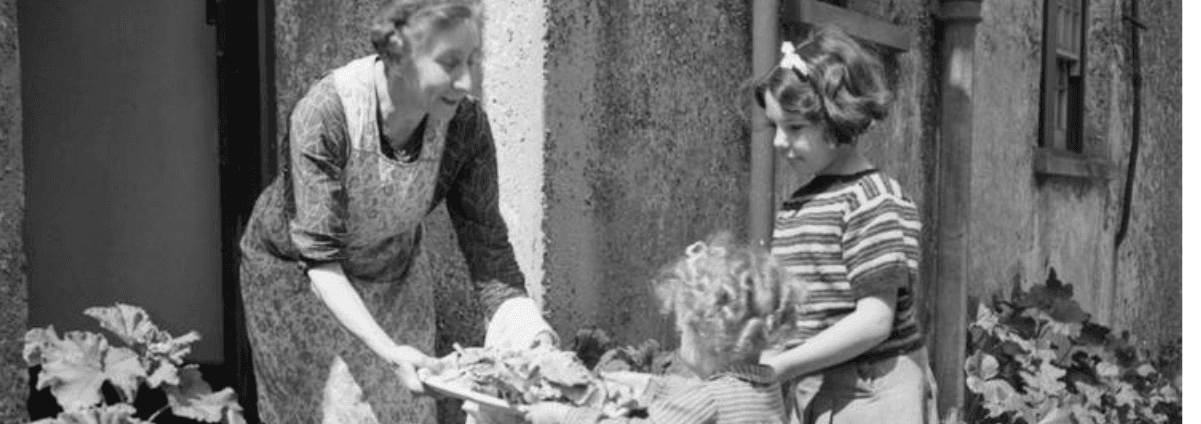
(246, 119)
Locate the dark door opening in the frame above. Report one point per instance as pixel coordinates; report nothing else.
(246, 116)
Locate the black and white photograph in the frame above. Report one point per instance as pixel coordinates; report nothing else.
(592, 211)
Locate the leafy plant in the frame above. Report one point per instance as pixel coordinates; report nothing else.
(79, 365)
(1038, 358)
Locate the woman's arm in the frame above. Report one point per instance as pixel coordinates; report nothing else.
(514, 320)
(474, 206)
(330, 284)
(317, 152)
(865, 328)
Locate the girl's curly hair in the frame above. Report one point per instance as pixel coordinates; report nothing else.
(843, 84)
(734, 296)
(434, 15)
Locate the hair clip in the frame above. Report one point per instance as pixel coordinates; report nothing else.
(792, 60)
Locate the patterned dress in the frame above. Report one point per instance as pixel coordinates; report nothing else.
(341, 197)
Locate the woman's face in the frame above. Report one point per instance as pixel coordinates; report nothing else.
(806, 144)
(439, 71)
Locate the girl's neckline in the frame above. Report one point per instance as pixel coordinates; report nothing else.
(822, 183)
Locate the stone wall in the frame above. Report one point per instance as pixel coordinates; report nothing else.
(646, 150)
(14, 378)
(1025, 224)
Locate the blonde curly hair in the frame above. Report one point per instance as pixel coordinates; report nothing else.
(735, 297)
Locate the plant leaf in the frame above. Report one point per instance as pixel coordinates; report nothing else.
(130, 323)
(166, 373)
(173, 349)
(194, 398)
(73, 370)
(985, 318)
(1046, 380)
(1125, 395)
(123, 369)
(1107, 369)
(111, 414)
(999, 397)
(1057, 415)
(37, 340)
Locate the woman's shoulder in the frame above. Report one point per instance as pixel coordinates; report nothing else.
(321, 98)
(468, 128)
(469, 111)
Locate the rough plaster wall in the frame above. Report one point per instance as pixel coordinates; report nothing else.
(646, 150)
(514, 58)
(1149, 277)
(13, 296)
(1024, 225)
(1005, 132)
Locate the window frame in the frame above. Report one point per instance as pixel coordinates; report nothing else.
(1061, 147)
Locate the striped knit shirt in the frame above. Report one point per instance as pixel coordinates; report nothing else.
(741, 394)
(847, 237)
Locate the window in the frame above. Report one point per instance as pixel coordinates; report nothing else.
(1063, 75)
(1061, 134)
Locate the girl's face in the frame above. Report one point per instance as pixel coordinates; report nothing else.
(438, 75)
(806, 144)
(691, 352)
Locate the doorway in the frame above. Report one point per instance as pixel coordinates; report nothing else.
(148, 132)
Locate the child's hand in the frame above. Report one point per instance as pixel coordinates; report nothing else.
(632, 379)
(546, 413)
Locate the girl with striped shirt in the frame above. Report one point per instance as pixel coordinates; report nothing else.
(729, 301)
(851, 236)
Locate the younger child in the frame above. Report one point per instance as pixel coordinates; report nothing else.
(727, 301)
(851, 234)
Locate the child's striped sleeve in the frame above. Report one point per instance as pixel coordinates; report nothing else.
(879, 244)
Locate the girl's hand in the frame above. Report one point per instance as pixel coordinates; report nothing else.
(546, 413)
(407, 360)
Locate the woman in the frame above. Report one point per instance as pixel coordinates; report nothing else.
(372, 148)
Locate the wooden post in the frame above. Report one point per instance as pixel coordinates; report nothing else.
(954, 175)
(765, 53)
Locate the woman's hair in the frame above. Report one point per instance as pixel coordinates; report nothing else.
(427, 16)
(838, 82)
(733, 296)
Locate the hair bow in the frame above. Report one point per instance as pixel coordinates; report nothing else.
(791, 60)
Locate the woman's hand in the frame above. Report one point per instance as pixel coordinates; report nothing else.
(546, 413)
(407, 360)
(518, 325)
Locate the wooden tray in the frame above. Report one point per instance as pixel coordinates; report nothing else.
(436, 385)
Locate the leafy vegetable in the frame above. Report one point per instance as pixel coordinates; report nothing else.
(1037, 358)
(79, 365)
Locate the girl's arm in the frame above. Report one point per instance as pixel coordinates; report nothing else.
(879, 243)
(869, 325)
